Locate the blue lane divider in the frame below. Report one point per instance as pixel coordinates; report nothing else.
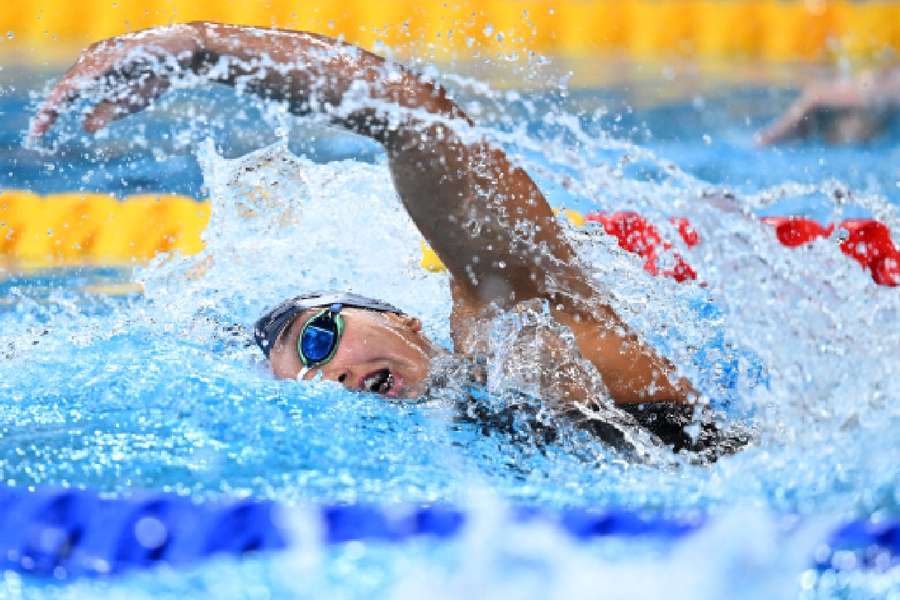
(65, 533)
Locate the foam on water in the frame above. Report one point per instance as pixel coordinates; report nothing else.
(154, 392)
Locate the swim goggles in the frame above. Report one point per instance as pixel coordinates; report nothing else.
(272, 324)
(320, 336)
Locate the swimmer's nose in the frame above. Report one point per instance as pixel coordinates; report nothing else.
(340, 375)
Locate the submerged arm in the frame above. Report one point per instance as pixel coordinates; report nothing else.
(485, 218)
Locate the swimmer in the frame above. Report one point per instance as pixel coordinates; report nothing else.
(484, 217)
(841, 111)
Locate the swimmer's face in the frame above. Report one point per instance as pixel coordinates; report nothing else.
(379, 352)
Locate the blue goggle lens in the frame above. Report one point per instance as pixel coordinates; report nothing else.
(318, 342)
(320, 337)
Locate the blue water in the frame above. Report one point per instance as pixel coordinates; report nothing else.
(146, 391)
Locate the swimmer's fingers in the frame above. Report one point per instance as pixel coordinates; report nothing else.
(818, 100)
(124, 101)
(107, 69)
(114, 95)
(66, 91)
(792, 124)
(42, 121)
(91, 69)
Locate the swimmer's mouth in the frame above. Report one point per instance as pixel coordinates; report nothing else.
(379, 382)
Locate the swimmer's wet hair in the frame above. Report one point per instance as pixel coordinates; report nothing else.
(271, 325)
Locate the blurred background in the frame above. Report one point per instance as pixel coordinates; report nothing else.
(51, 31)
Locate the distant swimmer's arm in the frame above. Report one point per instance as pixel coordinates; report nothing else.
(842, 110)
(485, 218)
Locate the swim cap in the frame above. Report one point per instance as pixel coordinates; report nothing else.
(273, 323)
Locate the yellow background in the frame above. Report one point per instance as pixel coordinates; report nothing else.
(762, 30)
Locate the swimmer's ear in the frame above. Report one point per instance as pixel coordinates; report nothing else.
(412, 323)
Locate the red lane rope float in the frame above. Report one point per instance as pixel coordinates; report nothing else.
(639, 236)
(867, 241)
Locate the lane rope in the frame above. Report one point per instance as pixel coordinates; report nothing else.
(98, 230)
(67, 533)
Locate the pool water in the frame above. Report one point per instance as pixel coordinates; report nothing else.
(151, 390)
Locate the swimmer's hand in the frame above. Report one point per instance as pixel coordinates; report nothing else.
(311, 73)
(119, 76)
(840, 111)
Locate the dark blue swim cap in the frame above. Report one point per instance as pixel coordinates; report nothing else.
(273, 323)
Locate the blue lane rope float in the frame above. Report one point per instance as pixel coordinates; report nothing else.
(66, 533)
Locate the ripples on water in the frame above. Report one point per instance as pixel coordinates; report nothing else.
(149, 391)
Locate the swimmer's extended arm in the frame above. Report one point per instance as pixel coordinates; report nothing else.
(485, 218)
(843, 110)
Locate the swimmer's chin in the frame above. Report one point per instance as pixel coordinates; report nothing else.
(403, 390)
